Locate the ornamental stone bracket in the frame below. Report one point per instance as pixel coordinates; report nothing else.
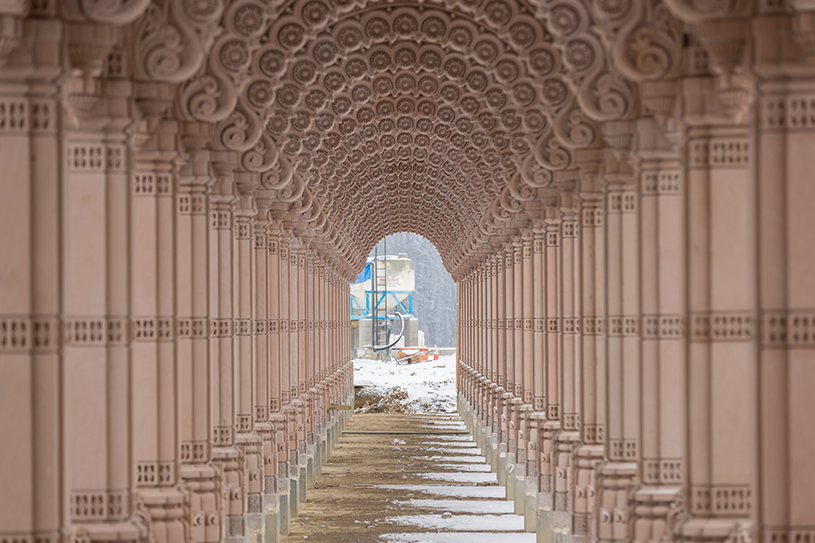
(12, 13)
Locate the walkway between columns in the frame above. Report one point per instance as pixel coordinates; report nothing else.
(407, 479)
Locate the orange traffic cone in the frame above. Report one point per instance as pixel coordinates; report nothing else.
(435, 353)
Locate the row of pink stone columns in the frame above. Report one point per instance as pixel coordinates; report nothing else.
(173, 336)
(636, 345)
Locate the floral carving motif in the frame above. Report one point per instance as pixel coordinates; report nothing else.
(173, 38)
(446, 109)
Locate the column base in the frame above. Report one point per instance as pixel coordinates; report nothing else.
(254, 512)
(284, 514)
(519, 496)
(500, 452)
(509, 481)
(530, 503)
(271, 519)
(235, 529)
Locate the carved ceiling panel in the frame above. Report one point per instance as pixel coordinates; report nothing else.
(437, 117)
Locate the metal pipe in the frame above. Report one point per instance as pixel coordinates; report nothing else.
(401, 333)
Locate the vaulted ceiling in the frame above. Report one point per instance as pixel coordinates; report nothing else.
(440, 118)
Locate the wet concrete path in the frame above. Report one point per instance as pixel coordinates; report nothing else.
(407, 479)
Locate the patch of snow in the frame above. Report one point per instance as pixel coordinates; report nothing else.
(460, 459)
(456, 537)
(462, 523)
(464, 467)
(468, 439)
(450, 491)
(447, 425)
(463, 506)
(471, 477)
(430, 386)
(462, 450)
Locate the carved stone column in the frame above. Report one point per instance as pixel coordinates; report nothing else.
(294, 411)
(723, 327)
(63, 334)
(539, 316)
(535, 463)
(266, 374)
(477, 349)
(498, 362)
(192, 344)
(518, 448)
(559, 435)
(782, 507)
(226, 455)
(623, 285)
(84, 306)
(592, 246)
(488, 375)
(304, 407)
(67, 429)
(32, 395)
(310, 293)
(153, 350)
(476, 346)
(509, 429)
(244, 342)
(661, 343)
(526, 495)
(571, 301)
(552, 277)
(514, 360)
(320, 362)
(280, 305)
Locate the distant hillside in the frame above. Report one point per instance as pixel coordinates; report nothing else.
(434, 301)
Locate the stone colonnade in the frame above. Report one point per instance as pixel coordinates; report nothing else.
(636, 344)
(172, 344)
(172, 338)
(621, 190)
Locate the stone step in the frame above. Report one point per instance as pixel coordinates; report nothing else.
(407, 479)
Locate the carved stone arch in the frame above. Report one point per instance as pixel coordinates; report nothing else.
(602, 93)
(172, 39)
(318, 100)
(519, 33)
(293, 191)
(519, 190)
(551, 154)
(263, 156)
(291, 87)
(239, 131)
(373, 218)
(573, 126)
(646, 39)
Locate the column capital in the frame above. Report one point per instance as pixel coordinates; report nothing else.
(592, 198)
(553, 224)
(222, 201)
(223, 165)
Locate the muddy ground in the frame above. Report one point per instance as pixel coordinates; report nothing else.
(417, 474)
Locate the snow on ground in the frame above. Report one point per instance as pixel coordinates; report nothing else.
(462, 523)
(448, 491)
(460, 537)
(430, 385)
